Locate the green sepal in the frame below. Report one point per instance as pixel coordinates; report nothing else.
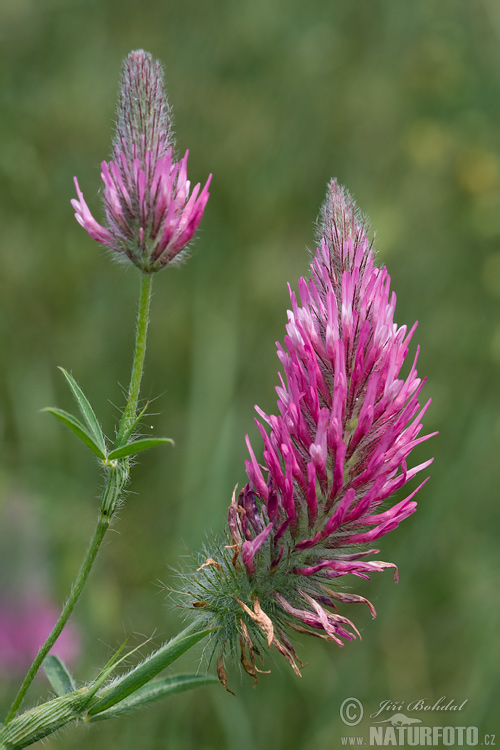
(154, 691)
(58, 675)
(142, 444)
(149, 668)
(78, 428)
(87, 412)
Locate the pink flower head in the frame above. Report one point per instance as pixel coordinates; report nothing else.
(151, 213)
(333, 455)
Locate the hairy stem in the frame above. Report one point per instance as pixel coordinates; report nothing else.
(129, 414)
(76, 590)
(98, 701)
(116, 481)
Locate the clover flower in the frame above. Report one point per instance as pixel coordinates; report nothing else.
(332, 457)
(150, 212)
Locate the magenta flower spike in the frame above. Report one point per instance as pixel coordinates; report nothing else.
(333, 455)
(151, 212)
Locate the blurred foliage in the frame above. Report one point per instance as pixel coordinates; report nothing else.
(400, 101)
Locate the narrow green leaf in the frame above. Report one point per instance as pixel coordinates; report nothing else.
(149, 668)
(86, 411)
(58, 675)
(77, 427)
(154, 691)
(143, 444)
(106, 671)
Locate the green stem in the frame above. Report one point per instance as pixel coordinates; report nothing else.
(117, 479)
(97, 701)
(76, 590)
(129, 414)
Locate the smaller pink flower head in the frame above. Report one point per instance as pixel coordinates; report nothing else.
(151, 212)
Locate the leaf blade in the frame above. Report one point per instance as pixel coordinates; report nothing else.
(86, 411)
(149, 668)
(137, 446)
(58, 675)
(77, 428)
(154, 691)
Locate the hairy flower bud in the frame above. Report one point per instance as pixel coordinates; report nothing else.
(151, 215)
(333, 455)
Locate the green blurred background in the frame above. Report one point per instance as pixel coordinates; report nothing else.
(398, 100)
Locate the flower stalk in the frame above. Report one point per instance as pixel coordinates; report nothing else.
(76, 590)
(117, 479)
(129, 415)
(152, 215)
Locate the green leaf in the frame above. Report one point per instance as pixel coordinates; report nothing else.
(154, 691)
(105, 672)
(143, 444)
(86, 411)
(78, 428)
(58, 675)
(149, 668)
